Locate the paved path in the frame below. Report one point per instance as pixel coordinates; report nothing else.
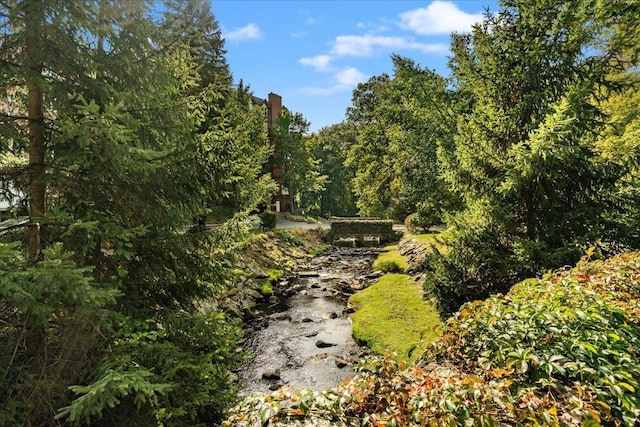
(285, 223)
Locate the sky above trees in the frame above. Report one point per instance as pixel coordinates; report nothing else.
(314, 53)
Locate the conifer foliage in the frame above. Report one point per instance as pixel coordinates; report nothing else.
(537, 189)
(119, 126)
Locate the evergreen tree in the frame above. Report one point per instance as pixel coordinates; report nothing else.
(523, 157)
(117, 145)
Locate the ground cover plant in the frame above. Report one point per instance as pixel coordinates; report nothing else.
(392, 316)
(561, 350)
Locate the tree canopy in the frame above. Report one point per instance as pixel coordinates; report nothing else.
(116, 146)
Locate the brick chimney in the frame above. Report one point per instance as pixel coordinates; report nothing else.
(275, 108)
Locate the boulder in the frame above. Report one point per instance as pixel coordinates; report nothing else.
(271, 375)
(324, 344)
(342, 361)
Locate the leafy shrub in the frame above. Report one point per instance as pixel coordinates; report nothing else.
(566, 345)
(417, 223)
(561, 350)
(388, 266)
(266, 289)
(269, 219)
(391, 261)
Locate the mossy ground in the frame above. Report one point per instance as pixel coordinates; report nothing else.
(393, 317)
(387, 259)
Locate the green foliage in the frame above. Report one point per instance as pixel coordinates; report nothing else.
(472, 260)
(266, 289)
(524, 158)
(561, 350)
(138, 130)
(274, 273)
(109, 391)
(398, 122)
(417, 222)
(292, 162)
(330, 146)
(390, 261)
(567, 338)
(388, 266)
(53, 300)
(268, 220)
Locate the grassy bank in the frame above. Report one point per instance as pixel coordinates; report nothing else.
(392, 316)
(391, 261)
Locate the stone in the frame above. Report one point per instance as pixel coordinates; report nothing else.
(317, 357)
(333, 315)
(358, 286)
(282, 316)
(307, 320)
(311, 334)
(307, 274)
(275, 386)
(271, 375)
(341, 362)
(324, 344)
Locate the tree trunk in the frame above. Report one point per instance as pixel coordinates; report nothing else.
(37, 130)
(35, 339)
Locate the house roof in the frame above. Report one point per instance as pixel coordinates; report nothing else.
(259, 101)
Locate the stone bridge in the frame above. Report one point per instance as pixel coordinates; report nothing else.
(362, 228)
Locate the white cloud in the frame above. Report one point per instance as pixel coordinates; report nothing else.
(319, 62)
(343, 80)
(368, 44)
(311, 21)
(372, 27)
(440, 17)
(349, 77)
(364, 45)
(248, 32)
(438, 48)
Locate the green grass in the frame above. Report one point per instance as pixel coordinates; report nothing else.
(386, 260)
(318, 251)
(391, 316)
(425, 237)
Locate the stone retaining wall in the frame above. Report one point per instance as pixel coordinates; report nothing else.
(361, 229)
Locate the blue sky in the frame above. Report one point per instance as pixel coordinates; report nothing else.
(314, 53)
